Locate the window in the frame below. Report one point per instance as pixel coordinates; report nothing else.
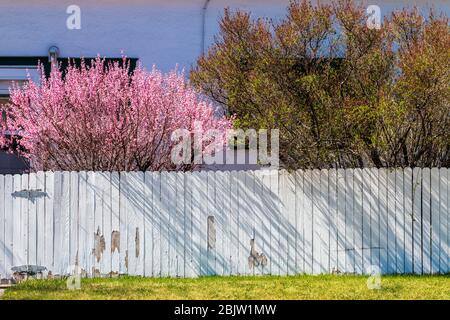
(17, 69)
(3, 101)
(18, 74)
(10, 74)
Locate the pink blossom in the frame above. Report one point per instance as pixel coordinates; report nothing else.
(103, 117)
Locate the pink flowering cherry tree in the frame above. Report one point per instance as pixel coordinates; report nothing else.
(104, 117)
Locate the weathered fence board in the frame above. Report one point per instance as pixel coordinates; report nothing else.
(18, 224)
(382, 198)
(32, 223)
(264, 200)
(308, 222)
(374, 217)
(340, 221)
(408, 220)
(366, 221)
(188, 233)
(332, 216)
(444, 228)
(391, 265)
(40, 218)
(417, 220)
(115, 224)
(64, 262)
(350, 244)
(8, 227)
(399, 233)
(2, 227)
(73, 219)
(426, 220)
(174, 224)
(435, 219)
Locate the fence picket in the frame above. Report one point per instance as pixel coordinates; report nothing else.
(446, 231)
(399, 222)
(32, 221)
(115, 223)
(210, 221)
(299, 226)
(24, 217)
(391, 239)
(366, 219)
(220, 222)
(65, 220)
(426, 220)
(107, 220)
(374, 218)
(408, 203)
(74, 222)
(226, 231)
(417, 220)
(383, 198)
(261, 230)
(266, 218)
(435, 219)
(245, 223)
(58, 223)
(18, 250)
(196, 224)
(3, 272)
(349, 222)
(98, 237)
(308, 221)
(332, 219)
(188, 231)
(234, 222)
(169, 192)
(358, 220)
(287, 194)
(340, 221)
(40, 218)
(90, 213)
(136, 223)
(49, 222)
(9, 225)
(323, 224)
(156, 226)
(148, 225)
(444, 248)
(83, 236)
(202, 224)
(179, 224)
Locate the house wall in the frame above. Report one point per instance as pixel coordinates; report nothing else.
(158, 32)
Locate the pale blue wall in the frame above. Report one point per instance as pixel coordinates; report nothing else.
(161, 32)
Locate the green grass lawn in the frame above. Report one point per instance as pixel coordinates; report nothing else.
(269, 287)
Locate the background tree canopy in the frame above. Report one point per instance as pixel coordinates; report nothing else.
(342, 95)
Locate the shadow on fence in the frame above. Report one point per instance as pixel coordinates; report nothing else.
(227, 223)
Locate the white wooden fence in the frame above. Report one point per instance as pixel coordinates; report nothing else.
(203, 223)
